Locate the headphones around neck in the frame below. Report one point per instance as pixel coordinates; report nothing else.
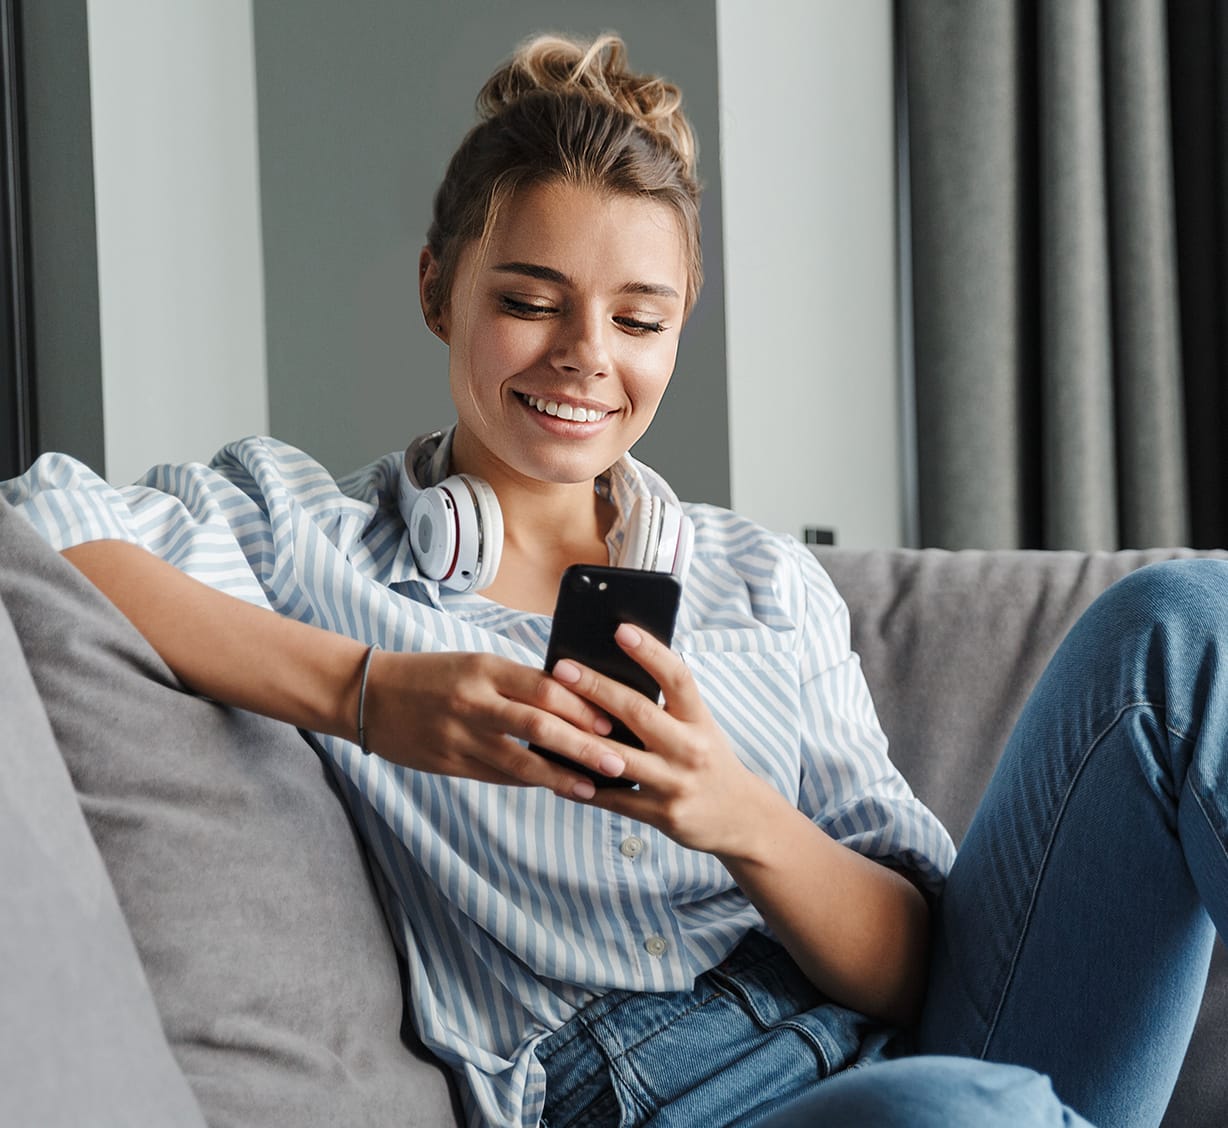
(456, 527)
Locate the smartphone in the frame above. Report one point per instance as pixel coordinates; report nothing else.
(593, 599)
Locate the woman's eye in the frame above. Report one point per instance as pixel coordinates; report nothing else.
(638, 326)
(526, 309)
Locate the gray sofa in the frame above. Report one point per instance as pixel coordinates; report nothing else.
(190, 931)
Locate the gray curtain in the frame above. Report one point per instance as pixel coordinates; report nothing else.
(1068, 171)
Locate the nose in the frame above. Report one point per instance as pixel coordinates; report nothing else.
(581, 347)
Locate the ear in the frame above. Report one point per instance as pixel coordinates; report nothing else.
(433, 312)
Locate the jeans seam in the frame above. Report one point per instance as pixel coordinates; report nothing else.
(1202, 810)
(619, 1064)
(1044, 861)
(650, 1034)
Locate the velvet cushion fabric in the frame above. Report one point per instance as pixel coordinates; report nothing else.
(81, 1041)
(237, 869)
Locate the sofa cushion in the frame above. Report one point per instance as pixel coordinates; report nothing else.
(237, 868)
(81, 1041)
(951, 644)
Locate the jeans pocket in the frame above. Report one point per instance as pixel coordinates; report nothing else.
(777, 996)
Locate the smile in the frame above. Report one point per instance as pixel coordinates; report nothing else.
(563, 410)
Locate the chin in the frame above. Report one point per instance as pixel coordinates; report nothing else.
(566, 466)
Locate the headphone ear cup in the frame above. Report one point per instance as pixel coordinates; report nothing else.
(643, 532)
(659, 538)
(433, 532)
(456, 533)
(489, 549)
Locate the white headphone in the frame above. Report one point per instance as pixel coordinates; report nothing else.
(456, 527)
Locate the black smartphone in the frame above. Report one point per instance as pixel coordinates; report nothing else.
(593, 600)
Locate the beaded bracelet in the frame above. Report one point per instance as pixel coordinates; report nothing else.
(362, 698)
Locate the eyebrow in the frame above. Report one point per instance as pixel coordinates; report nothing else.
(549, 274)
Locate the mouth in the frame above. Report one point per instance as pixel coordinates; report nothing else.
(572, 412)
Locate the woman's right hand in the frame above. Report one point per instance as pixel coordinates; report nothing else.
(473, 715)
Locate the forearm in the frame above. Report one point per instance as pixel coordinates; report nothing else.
(225, 648)
(859, 930)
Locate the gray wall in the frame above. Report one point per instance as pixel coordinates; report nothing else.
(359, 108)
(63, 245)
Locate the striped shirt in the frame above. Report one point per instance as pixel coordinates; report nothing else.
(514, 908)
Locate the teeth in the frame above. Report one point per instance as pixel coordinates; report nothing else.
(565, 410)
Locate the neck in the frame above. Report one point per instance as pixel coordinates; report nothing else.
(547, 526)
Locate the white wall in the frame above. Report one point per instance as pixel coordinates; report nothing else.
(807, 148)
(181, 291)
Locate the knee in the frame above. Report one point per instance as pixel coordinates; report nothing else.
(1174, 584)
(930, 1092)
(1190, 595)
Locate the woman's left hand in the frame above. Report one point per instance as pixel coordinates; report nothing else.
(692, 787)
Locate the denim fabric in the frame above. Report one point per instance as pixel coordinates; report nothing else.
(755, 1044)
(1072, 940)
(1074, 934)
(752, 1031)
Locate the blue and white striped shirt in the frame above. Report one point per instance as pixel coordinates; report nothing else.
(516, 908)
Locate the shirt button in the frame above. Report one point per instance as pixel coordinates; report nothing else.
(632, 847)
(656, 946)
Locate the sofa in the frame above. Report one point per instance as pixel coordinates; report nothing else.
(190, 931)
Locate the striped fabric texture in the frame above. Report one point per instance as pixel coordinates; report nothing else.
(514, 908)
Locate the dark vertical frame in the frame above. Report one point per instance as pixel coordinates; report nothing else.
(18, 442)
(911, 515)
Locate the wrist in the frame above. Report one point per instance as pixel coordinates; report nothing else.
(764, 821)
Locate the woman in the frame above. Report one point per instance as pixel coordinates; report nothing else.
(754, 919)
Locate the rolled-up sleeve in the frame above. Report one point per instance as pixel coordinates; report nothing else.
(849, 785)
(68, 504)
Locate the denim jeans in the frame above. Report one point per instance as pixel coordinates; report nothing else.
(751, 1029)
(1076, 930)
(1071, 944)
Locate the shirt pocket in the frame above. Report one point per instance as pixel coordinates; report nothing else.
(755, 698)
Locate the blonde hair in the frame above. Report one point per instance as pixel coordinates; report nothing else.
(566, 110)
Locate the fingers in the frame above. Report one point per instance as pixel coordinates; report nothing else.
(682, 697)
(465, 715)
(540, 691)
(543, 713)
(543, 730)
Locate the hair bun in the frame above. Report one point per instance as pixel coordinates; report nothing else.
(598, 70)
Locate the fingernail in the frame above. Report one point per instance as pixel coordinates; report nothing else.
(584, 790)
(628, 635)
(567, 671)
(602, 726)
(611, 764)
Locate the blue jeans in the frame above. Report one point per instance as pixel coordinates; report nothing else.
(1072, 940)
(1074, 935)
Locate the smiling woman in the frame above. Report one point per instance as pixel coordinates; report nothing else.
(559, 270)
(727, 939)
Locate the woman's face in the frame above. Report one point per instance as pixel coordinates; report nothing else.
(563, 336)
